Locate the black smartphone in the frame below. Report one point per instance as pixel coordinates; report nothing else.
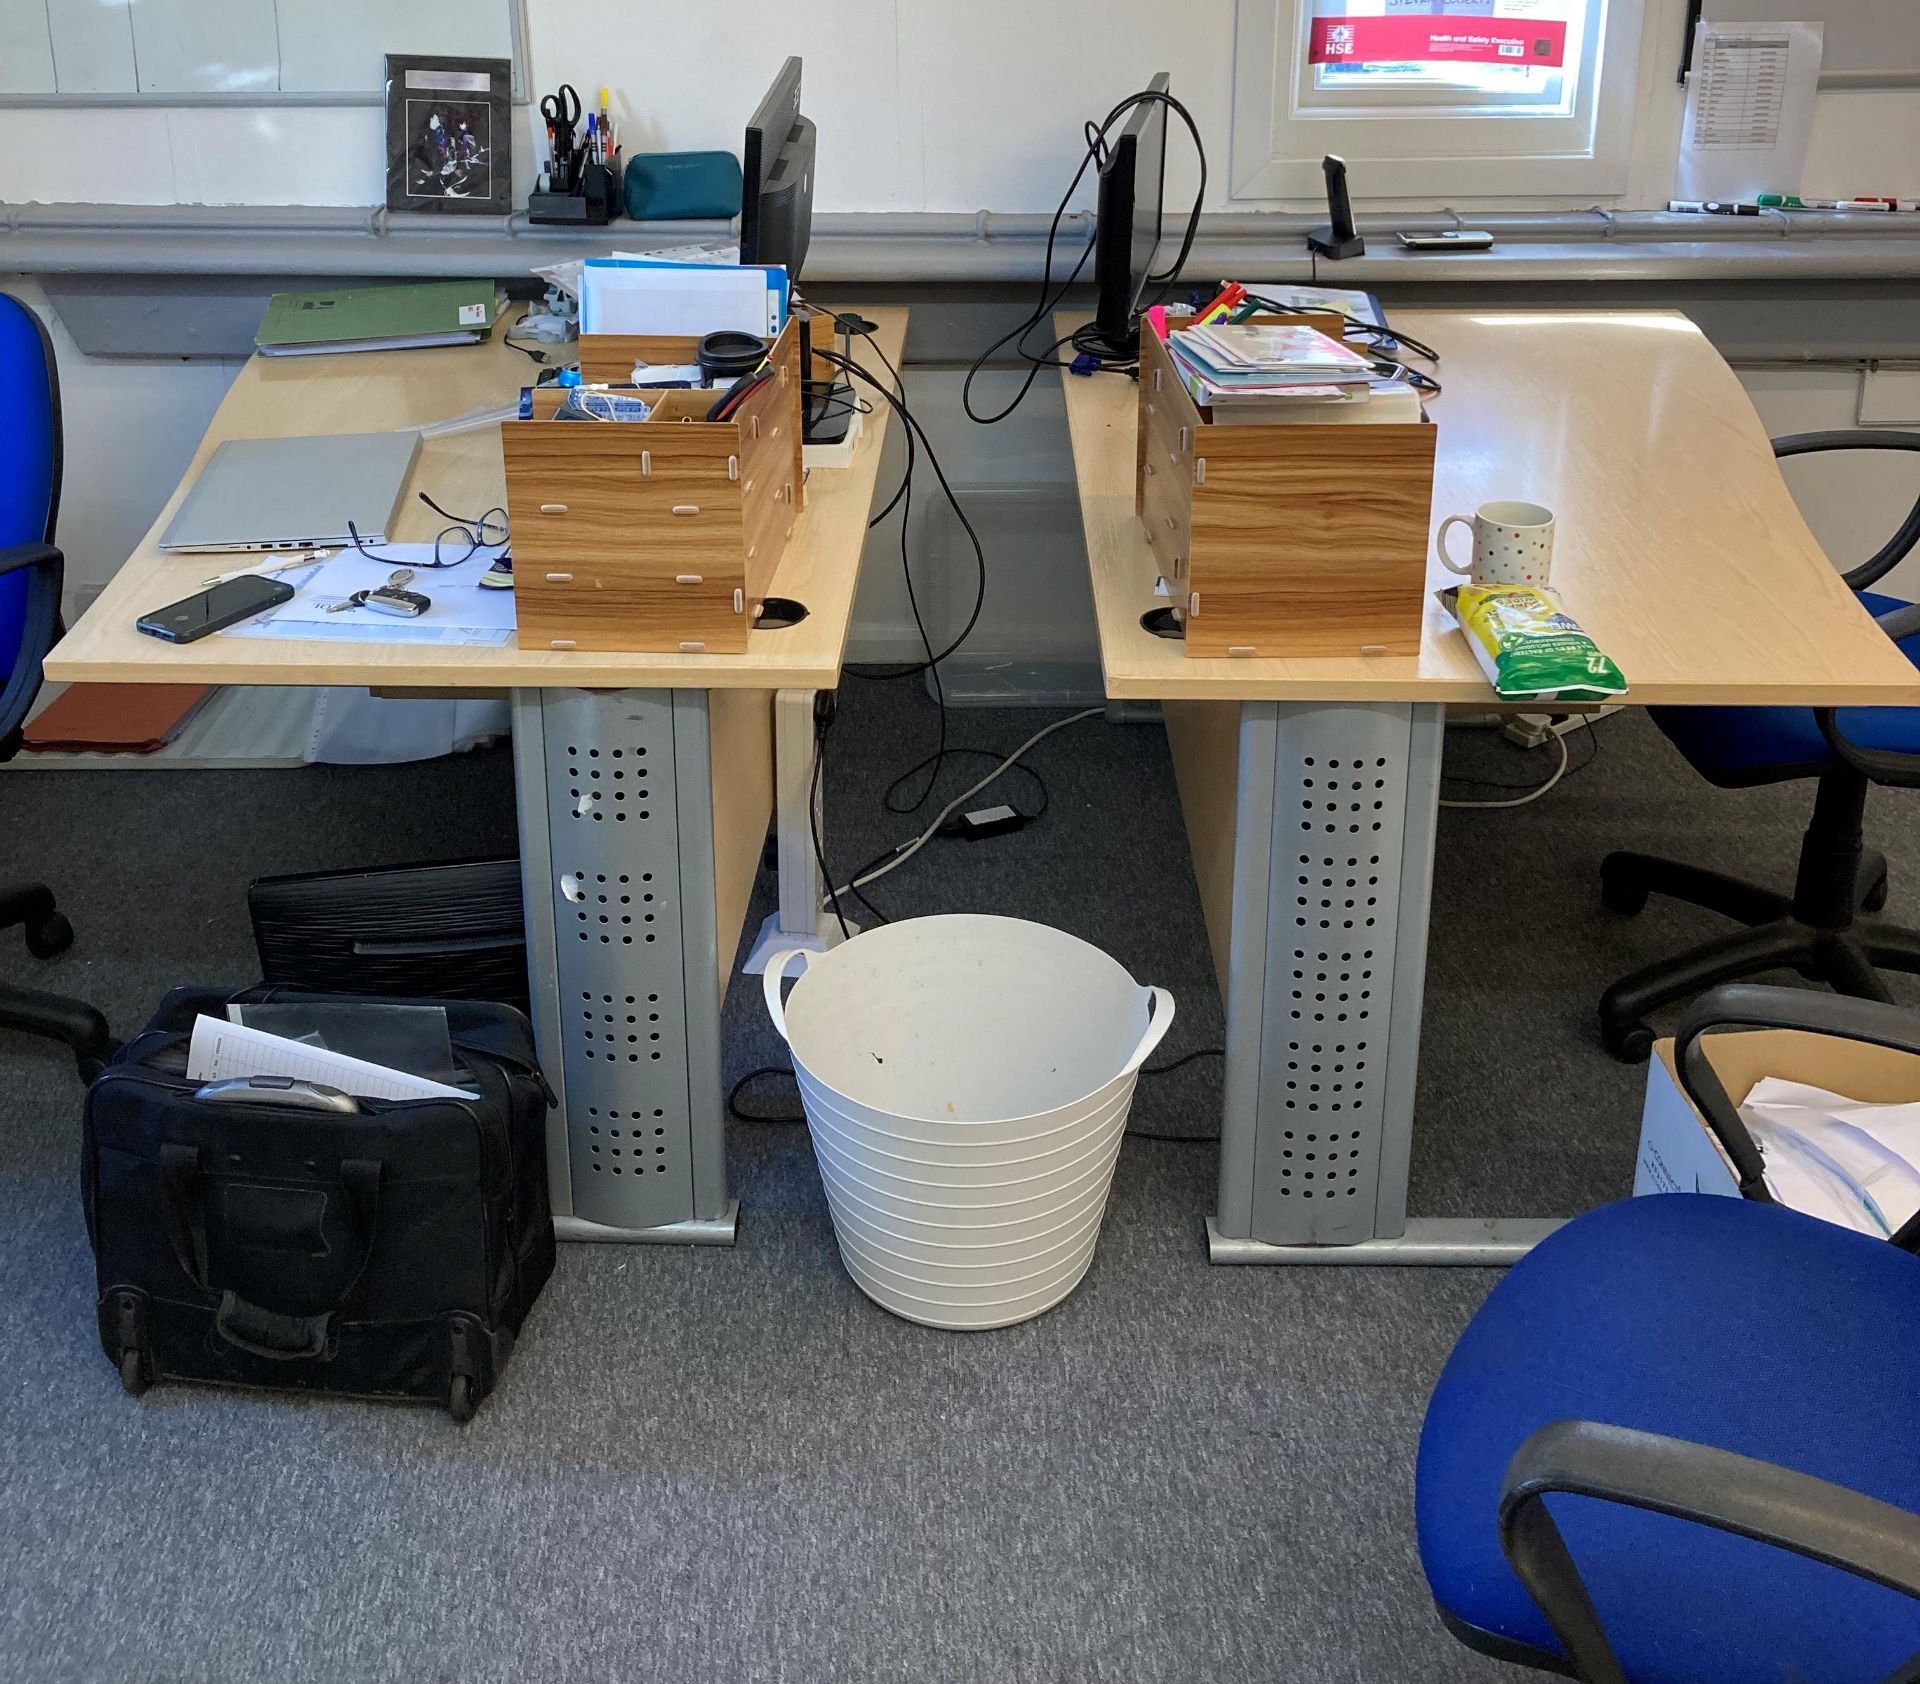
(212, 610)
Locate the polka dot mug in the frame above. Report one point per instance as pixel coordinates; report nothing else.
(1512, 544)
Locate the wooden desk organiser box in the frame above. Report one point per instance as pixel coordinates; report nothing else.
(1293, 540)
(652, 536)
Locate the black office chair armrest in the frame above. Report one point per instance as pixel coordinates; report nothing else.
(1888, 556)
(45, 569)
(1751, 1006)
(1760, 1500)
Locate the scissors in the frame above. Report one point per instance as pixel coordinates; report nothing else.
(562, 113)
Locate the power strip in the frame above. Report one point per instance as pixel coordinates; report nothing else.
(1536, 730)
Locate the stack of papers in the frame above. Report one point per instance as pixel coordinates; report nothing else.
(462, 613)
(1268, 365)
(225, 1051)
(1840, 1159)
(646, 295)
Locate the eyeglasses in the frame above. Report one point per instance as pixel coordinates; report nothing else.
(456, 543)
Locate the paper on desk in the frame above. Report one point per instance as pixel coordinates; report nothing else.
(222, 1050)
(1749, 109)
(566, 276)
(462, 612)
(644, 295)
(1840, 1159)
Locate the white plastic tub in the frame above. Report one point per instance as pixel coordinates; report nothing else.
(967, 1081)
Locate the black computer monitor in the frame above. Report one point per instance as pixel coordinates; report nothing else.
(776, 206)
(1127, 229)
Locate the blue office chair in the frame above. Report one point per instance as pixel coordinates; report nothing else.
(1680, 1442)
(1817, 931)
(31, 571)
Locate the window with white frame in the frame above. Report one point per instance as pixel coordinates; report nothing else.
(1467, 99)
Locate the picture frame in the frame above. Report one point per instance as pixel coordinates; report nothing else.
(449, 135)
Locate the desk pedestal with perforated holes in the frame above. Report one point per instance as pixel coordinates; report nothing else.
(615, 792)
(1312, 828)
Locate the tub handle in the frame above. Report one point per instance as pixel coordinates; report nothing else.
(1158, 998)
(776, 972)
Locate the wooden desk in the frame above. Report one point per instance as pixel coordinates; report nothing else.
(644, 782)
(1677, 544)
(276, 397)
(1310, 788)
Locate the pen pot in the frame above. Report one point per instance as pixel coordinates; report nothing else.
(596, 202)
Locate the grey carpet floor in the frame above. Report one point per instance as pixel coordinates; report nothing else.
(730, 1463)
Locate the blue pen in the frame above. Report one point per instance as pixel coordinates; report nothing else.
(593, 151)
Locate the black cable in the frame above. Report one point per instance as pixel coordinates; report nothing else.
(1378, 337)
(973, 537)
(1175, 1139)
(897, 399)
(813, 825)
(1095, 150)
(1168, 1069)
(733, 1095)
(1039, 783)
(1593, 750)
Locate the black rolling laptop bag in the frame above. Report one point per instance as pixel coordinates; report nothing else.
(392, 1252)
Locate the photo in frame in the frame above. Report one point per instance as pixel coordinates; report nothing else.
(449, 135)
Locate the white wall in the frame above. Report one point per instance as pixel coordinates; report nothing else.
(131, 428)
(921, 106)
(1852, 502)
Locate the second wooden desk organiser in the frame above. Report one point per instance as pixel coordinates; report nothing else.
(1295, 540)
(652, 536)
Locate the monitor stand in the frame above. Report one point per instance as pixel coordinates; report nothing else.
(826, 406)
(827, 410)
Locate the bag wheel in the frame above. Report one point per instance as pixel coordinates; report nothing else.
(135, 1376)
(460, 1404)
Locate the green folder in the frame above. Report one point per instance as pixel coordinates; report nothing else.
(377, 318)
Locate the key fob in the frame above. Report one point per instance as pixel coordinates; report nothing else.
(408, 605)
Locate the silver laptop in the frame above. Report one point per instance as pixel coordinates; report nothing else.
(291, 494)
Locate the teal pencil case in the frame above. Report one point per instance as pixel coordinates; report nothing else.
(683, 186)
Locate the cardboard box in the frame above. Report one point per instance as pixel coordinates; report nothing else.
(1680, 1154)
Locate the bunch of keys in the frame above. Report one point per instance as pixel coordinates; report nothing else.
(389, 598)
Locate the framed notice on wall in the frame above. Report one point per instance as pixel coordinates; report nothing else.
(449, 135)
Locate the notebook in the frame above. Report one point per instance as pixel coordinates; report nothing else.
(392, 318)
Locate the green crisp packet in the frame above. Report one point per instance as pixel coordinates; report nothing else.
(1529, 647)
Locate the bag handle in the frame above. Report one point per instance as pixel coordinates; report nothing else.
(1160, 1002)
(774, 975)
(254, 1327)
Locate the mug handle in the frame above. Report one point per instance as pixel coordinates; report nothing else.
(1440, 545)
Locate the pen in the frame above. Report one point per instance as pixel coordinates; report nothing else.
(1793, 201)
(311, 559)
(1714, 207)
(1873, 204)
(593, 143)
(606, 122)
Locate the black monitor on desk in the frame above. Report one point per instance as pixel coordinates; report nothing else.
(776, 204)
(776, 222)
(1127, 232)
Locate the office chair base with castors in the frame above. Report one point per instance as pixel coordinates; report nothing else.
(30, 907)
(1818, 931)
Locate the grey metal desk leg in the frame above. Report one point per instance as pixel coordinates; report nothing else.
(616, 845)
(1335, 814)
